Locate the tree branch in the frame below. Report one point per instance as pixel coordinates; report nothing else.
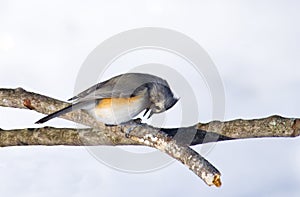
(141, 134)
(173, 141)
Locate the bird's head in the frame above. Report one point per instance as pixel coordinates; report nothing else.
(161, 98)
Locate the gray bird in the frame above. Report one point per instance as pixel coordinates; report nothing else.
(121, 98)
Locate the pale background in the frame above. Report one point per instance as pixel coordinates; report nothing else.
(254, 44)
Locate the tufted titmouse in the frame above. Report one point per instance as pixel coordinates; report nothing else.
(121, 98)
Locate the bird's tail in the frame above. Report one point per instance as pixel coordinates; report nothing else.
(72, 107)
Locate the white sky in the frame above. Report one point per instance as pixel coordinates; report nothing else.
(254, 46)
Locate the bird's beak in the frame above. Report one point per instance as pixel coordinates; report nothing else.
(150, 114)
(146, 112)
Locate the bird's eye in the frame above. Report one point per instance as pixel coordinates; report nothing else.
(158, 108)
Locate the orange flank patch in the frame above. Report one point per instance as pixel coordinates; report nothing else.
(108, 102)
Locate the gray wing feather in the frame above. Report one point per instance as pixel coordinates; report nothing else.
(120, 86)
(87, 105)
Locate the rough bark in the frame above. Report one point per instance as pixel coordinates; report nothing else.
(141, 134)
(173, 141)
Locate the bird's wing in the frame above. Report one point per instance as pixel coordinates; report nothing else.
(120, 86)
(87, 105)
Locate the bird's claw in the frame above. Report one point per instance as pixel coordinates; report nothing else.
(132, 124)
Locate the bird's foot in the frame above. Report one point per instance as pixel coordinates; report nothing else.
(131, 125)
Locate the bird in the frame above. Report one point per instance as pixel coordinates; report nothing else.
(121, 98)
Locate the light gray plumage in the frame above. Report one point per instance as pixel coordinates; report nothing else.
(153, 93)
(119, 86)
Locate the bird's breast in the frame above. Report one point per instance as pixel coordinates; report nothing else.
(118, 110)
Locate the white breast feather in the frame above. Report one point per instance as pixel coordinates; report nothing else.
(119, 112)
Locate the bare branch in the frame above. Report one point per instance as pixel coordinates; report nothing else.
(273, 126)
(173, 141)
(141, 134)
(20, 98)
(51, 136)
